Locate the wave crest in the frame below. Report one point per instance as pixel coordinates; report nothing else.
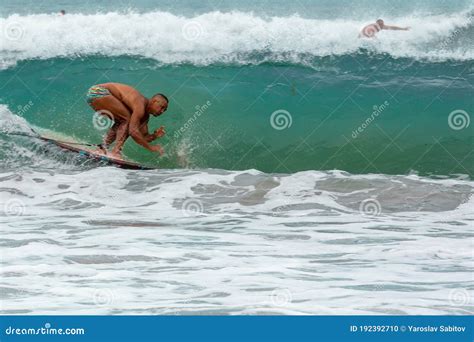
(226, 37)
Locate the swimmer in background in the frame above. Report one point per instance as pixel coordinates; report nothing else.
(370, 30)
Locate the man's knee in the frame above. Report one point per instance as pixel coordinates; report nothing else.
(123, 126)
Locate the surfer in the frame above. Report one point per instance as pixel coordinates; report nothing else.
(370, 30)
(130, 111)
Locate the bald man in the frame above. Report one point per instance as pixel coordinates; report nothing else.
(130, 111)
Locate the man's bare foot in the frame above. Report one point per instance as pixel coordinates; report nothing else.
(116, 155)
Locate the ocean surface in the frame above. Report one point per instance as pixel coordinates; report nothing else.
(307, 171)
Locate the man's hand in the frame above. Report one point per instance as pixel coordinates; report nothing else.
(159, 132)
(157, 148)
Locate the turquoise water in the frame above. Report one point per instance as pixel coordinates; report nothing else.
(327, 103)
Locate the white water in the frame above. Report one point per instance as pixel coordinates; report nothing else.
(224, 37)
(109, 241)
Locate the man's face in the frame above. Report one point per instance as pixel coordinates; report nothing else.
(380, 22)
(157, 106)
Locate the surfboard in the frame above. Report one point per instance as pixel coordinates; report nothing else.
(87, 153)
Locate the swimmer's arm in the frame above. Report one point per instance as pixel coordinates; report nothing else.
(396, 28)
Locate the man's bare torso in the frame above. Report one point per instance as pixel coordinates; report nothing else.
(128, 95)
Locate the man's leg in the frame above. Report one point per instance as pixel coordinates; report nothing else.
(111, 106)
(111, 135)
(121, 137)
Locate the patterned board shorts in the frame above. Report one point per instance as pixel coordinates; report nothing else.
(96, 92)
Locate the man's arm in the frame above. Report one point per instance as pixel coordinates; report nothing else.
(396, 28)
(149, 137)
(135, 130)
(144, 129)
(136, 133)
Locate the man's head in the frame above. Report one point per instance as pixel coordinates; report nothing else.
(380, 23)
(157, 105)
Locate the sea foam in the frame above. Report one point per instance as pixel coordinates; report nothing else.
(230, 37)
